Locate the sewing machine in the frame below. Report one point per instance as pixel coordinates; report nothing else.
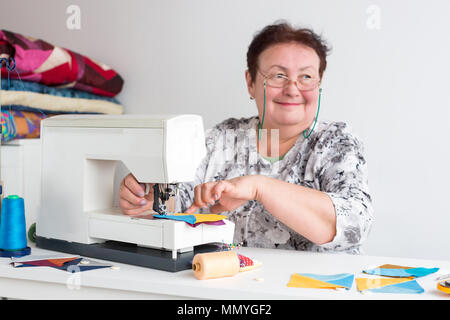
(79, 158)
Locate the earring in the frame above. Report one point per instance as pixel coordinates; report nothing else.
(251, 98)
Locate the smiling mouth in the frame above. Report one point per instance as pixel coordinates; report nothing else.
(290, 104)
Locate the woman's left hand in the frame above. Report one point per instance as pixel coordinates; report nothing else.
(224, 195)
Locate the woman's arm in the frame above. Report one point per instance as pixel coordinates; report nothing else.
(307, 211)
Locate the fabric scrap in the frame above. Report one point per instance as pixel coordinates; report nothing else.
(400, 272)
(212, 223)
(318, 281)
(82, 264)
(192, 219)
(247, 264)
(389, 285)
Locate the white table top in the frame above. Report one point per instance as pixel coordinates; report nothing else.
(132, 282)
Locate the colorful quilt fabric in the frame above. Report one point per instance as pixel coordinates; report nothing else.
(192, 219)
(39, 61)
(21, 124)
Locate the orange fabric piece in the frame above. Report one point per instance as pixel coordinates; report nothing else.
(60, 262)
(393, 266)
(372, 283)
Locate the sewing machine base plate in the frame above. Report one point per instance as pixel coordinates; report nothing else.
(128, 253)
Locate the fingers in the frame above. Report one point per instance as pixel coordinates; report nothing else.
(131, 183)
(202, 197)
(207, 194)
(131, 209)
(132, 199)
(219, 188)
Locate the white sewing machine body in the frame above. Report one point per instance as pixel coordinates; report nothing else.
(79, 157)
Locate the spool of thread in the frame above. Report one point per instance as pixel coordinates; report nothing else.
(215, 265)
(444, 286)
(13, 237)
(1, 187)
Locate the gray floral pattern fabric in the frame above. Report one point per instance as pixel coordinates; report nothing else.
(330, 160)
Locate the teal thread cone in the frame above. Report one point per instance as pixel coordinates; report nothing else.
(12, 224)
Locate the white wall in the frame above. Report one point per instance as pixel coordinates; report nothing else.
(390, 84)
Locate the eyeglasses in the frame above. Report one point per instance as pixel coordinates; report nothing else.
(304, 82)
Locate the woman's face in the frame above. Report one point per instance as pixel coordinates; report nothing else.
(287, 106)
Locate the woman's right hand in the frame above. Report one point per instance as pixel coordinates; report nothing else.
(132, 198)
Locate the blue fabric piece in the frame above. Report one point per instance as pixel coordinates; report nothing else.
(402, 273)
(187, 218)
(388, 272)
(72, 266)
(342, 279)
(17, 107)
(75, 266)
(421, 272)
(17, 85)
(404, 287)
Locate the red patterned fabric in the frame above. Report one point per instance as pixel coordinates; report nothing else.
(244, 261)
(39, 61)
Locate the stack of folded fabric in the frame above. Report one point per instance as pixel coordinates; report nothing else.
(44, 80)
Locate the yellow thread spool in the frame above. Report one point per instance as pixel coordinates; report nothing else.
(442, 287)
(215, 265)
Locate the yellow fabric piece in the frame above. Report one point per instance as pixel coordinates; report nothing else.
(393, 266)
(372, 283)
(298, 281)
(203, 217)
(256, 264)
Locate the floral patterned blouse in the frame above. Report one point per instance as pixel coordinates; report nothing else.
(331, 160)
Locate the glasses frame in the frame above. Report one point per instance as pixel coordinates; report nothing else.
(317, 84)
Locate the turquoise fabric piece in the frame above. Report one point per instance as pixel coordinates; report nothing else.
(404, 287)
(187, 218)
(402, 273)
(388, 272)
(19, 85)
(341, 279)
(421, 272)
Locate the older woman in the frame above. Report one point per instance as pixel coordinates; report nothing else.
(285, 179)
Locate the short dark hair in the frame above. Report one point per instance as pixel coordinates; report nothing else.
(283, 32)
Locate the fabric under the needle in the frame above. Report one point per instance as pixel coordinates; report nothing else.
(192, 219)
